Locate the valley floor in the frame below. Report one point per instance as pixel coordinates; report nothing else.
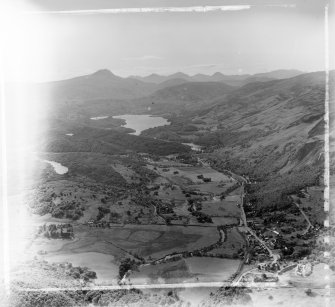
(181, 229)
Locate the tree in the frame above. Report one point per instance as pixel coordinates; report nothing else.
(126, 265)
(309, 292)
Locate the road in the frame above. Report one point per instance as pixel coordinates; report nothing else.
(246, 252)
(241, 275)
(244, 217)
(273, 255)
(306, 218)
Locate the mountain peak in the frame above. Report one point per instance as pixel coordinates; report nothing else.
(218, 74)
(103, 73)
(179, 75)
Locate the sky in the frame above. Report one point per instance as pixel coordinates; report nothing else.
(71, 38)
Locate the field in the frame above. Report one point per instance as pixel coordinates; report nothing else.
(212, 269)
(170, 192)
(171, 239)
(221, 208)
(172, 272)
(233, 243)
(215, 187)
(103, 249)
(127, 173)
(195, 269)
(190, 174)
(103, 264)
(225, 221)
(154, 240)
(207, 172)
(314, 206)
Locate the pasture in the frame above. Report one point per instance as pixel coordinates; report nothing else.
(233, 243)
(154, 241)
(189, 174)
(212, 269)
(221, 208)
(215, 188)
(171, 239)
(171, 272)
(194, 269)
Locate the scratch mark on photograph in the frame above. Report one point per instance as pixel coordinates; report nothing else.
(176, 9)
(213, 285)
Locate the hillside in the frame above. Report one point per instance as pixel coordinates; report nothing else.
(266, 130)
(86, 139)
(172, 96)
(183, 97)
(102, 84)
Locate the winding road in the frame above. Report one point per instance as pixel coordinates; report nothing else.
(245, 228)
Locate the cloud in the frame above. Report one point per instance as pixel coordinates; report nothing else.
(201, 66)
(143, 58)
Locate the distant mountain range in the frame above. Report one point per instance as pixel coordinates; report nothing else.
(103, 84)
(235, 80)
